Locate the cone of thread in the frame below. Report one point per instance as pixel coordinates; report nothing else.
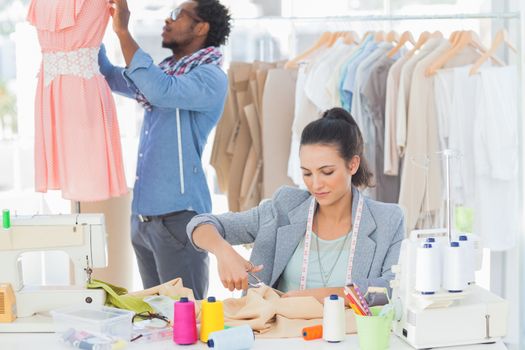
(184, 322)
(235, 338)
(314, 332)
(212, 317)
(6, 219)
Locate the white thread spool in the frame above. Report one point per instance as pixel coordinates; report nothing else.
(334, 321)
(454, 276)
(235, 338)
(428, 269)
(467, 246)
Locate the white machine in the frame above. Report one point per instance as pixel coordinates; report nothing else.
(472, 316)
(81, 236)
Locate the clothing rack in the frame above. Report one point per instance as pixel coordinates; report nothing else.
(498, 257)
(371, 18)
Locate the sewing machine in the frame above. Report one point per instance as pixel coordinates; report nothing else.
(81, 236)
(472, 316)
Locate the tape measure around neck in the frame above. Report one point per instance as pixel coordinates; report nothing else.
(308, 241)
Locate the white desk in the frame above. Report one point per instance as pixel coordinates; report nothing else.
(30, 341)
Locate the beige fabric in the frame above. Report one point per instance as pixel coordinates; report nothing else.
(274, 317)
(278, 112)
(391, 160)
(418, 196)
(240, 141)
(269, 315)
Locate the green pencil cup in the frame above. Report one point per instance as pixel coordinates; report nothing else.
(373, 331)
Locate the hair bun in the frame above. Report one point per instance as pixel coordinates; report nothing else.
(338, 113)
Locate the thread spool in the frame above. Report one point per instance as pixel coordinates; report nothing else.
(454, 279)
(428, 269)
(235, 338)
(184, 322)
(212, 317)
(6, 219)
(314, 332)
(468, 248)
(334, 322)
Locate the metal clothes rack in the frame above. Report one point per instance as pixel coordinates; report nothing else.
(371, 18)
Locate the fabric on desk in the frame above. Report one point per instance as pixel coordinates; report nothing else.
(273, 317)
(118, 297)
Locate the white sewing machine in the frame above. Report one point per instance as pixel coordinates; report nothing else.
(443, 319)
(81, 236)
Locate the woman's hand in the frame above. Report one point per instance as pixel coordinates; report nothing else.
(233, 269)
(120, 13)
(317, 293)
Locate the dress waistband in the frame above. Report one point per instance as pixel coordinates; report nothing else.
(82, 63)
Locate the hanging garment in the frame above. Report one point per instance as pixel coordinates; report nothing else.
(278, 111)
(421, 184)
(405, 85)
(496, 153)
(392, 160)
(374, 96)
(77, 139)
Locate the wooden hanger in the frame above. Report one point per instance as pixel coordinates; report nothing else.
(405, 37)
(392, 37)
(423, 37)
(500, 39)
(323, 40)
(465, 39)
(379, 36)
(350, 37)
(367, 34)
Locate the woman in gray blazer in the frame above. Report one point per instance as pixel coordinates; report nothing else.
(311, 242)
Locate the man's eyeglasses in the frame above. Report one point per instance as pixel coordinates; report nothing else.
(176, 13)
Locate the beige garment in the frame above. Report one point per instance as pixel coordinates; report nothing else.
(391, 159)
(405, 87)
(221, 158)
(240, 141)
(251, 185)
(420, 196)
(278, 112)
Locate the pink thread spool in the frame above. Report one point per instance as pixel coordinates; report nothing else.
(184, 322)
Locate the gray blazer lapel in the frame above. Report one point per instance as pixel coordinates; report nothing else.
(288, 237)
(365, 248)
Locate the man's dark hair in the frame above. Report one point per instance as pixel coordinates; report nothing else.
(219, 18)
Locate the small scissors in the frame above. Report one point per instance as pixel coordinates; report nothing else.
(260, 283)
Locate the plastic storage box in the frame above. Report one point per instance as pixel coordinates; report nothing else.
(80, 321)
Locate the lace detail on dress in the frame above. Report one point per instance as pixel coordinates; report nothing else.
(81, 63)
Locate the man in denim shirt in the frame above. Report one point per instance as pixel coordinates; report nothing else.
(183, 98)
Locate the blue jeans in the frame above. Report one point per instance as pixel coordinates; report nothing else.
(164, 252)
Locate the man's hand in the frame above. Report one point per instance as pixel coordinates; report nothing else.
(120, 13)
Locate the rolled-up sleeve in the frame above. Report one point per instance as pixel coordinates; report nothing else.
(114, 75)
(196, 90)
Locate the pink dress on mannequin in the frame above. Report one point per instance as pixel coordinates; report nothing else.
(77, 139)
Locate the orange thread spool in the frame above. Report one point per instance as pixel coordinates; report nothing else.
(314, 332)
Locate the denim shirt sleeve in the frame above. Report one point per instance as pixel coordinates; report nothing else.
(113, 75)
(202, 89)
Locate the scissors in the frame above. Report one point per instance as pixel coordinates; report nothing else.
(259, 283)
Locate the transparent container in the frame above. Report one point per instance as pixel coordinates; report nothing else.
(80, 324)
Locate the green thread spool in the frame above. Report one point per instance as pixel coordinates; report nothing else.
(6, 219)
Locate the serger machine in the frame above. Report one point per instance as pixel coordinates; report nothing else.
(471, 316)
(81, 236)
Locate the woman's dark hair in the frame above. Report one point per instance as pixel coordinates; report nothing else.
(219, 18)
(338, 128)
